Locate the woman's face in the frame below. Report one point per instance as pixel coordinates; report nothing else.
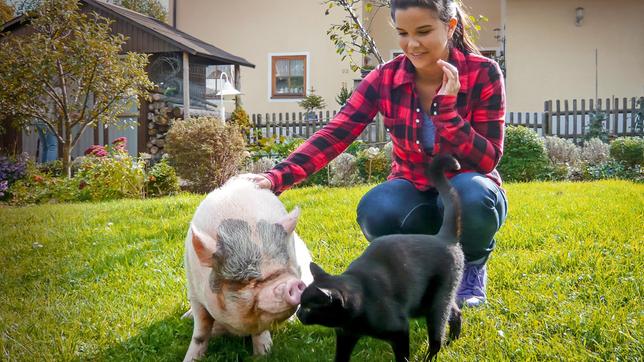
(422, 36)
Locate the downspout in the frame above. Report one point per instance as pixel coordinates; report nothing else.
(174, 14)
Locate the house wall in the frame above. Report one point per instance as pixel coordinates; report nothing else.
(548, 57)
(255, 29)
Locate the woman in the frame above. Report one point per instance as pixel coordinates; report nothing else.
(440, 96)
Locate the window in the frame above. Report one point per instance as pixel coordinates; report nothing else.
(288, 76)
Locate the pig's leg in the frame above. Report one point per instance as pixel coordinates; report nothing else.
(262, 343)
(203, 322)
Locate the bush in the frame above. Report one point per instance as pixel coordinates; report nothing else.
(524, 157)
(204, 151)
(595, 152)
(373, 165)
(11, 170)
(613, 169)
(561, 151)
(343, 170)
(114, 176)
(40, 186)
(242, 120)
(161, 179)
(629, 150)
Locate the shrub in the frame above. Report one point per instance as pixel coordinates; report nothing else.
(39, 187)
(597, 127)
(319, 178)
(356, 146)
(343, 170)
(629, 150)
(595, 152)
(242, 120)
(373, 165)
(342, 98)
(561, 151)
(161, 179)
(114, 176)
(204, 151)
(613, 169)
(11, 170)
(524, 157)
(262, 165)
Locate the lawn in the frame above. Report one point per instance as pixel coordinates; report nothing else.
(106, 282)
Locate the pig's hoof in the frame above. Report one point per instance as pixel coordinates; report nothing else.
(187, 314)
(262, 343)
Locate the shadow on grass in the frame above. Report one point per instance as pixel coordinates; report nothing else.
(168, 340)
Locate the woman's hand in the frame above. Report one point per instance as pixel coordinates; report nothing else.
(451, 84)
(261, 181)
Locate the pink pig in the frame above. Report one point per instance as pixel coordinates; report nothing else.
(246, 266)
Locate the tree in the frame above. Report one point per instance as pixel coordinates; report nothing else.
(151, 8)
(69, 74)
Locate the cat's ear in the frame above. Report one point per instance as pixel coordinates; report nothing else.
(333, 295)
(316, 271)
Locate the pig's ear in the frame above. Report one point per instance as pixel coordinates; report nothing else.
(316, 271)
(204, 246)
(289, 221)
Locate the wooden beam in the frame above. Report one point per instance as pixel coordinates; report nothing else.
(238, 101)
(186, 86)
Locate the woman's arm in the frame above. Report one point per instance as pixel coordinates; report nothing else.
(477, 144)
(332, 139)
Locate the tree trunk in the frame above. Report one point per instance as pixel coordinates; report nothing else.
(67, 159)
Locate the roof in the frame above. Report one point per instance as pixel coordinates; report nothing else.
(156, 28)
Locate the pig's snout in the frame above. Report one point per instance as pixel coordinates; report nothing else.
(291, 291)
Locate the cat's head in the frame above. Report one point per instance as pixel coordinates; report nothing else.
(325, 301)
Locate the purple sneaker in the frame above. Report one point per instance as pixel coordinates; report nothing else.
(471, 293)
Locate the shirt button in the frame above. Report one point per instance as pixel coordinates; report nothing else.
(417, 109)
(435, 105)
(417, 142)
(435, 113)
(418, 121)
(387, 129)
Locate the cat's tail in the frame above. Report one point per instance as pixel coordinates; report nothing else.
(451, 228)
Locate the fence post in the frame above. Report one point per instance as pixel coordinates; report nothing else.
(547, 116)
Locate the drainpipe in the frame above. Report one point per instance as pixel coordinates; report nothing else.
(174, 14)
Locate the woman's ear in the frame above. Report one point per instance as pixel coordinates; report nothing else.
(453, 22)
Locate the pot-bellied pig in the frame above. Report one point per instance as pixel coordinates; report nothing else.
(245, 264)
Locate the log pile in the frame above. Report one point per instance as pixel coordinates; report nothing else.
(160, 116)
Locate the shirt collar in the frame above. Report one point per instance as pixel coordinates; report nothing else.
(405, 72)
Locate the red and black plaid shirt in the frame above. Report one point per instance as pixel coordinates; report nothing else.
(469, 126)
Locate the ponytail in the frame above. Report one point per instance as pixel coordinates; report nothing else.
(446, 10)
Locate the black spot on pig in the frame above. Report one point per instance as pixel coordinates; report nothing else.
(274, 242)
(237, 258)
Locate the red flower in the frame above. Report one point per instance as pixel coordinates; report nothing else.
(96, 150)
(38, 178)
(82, 184)
(152, 178)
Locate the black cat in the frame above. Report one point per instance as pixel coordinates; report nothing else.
(398, 277)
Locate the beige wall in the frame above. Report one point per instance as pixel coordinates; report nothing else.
(548, 57)
(386, 37)
(253, 29)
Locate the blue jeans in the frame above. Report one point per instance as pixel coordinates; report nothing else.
(48, 143)
(397, 207)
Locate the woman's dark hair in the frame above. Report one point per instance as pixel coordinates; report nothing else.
(446, 9)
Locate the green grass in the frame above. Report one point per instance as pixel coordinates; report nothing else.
(106, 281)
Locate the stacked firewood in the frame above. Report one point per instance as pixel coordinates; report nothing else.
(160, 116)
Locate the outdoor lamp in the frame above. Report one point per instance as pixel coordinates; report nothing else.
(226, 90)
(580, 15)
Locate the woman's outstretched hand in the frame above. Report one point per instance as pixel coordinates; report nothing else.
(451, 84)
(261, 181)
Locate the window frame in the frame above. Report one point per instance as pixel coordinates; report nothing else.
(272, 80)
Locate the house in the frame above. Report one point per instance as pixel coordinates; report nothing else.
(174, 54)
(548, 47)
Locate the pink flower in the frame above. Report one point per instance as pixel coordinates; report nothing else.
(96, 150)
